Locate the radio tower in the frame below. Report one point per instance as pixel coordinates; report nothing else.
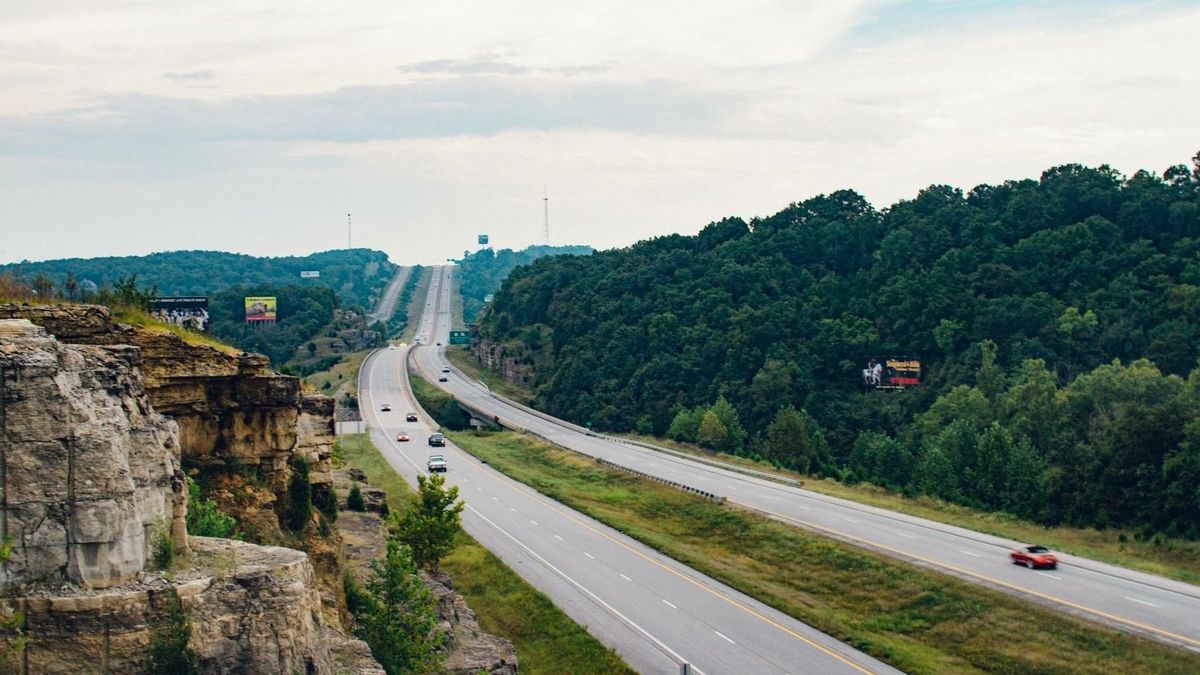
(349, 241)
(545, 216)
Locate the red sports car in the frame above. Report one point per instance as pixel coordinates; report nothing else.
(402, 436)
(1033, 557)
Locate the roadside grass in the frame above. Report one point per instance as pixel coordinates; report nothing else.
(462, 359)
(1173, 558)
(416, 304)
(136, 317)
(548, 642)
(915, 619)
(341, 378)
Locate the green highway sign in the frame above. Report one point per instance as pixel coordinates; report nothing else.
(460, 337)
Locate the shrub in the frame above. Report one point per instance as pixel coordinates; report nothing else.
(299, 502)
(354, 501)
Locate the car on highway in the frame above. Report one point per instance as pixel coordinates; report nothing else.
(439, 344)
(436, 463)
(1034, 557)
(385, 407)
(437, 440)
(402, 436)
(443, 379)
(410, 417)
(391, 346)
(445, 369)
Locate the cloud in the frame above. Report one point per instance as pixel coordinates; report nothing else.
(463, 67)
(128, 124)
(190, 75)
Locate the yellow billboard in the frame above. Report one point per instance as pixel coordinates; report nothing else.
(260, 308)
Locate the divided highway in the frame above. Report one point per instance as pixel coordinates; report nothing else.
(1133, 601)
(656, 613)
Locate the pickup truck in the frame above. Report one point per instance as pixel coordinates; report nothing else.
(436, 463)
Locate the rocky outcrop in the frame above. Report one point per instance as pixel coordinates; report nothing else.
(231, 408)
(509, 362)
(91, 490)
(89, 472)
(252, 609)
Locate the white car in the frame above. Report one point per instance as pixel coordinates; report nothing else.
(436, 464)
(385, 407)
(445, 369)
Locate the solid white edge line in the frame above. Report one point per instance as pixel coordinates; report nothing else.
(679, 660)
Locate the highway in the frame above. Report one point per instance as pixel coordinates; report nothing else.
(387, 303)
(656, 613)
(1141, 603)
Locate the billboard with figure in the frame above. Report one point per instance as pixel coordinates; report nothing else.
(187, 311)
(892, 373)
(260, 308)
(483, 240)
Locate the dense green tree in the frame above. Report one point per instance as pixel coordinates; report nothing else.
(395, 614)
(712, 433)
(429, 525)
(1022, 300)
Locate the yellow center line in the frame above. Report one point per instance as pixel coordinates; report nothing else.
(969, 573)
(550, 504)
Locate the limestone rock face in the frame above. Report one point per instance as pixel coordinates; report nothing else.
(230, 407)
(252, 609)
(89, 466)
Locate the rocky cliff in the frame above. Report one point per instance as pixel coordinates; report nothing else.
(89, 473)
(231, 409)
(91, 496)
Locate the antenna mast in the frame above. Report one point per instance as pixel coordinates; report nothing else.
(545, 216)
(349, 241)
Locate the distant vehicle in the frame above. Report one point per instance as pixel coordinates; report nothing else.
(402, 436)
(385, 407)
(436, 463)
(410, 417)
(1034, 557)
(443, 379)
(438, 440)
(390, 346)
(445, 369)
(439, 344)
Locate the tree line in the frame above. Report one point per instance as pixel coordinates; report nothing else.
(483, 271)
(1057, 321)
(357, 276)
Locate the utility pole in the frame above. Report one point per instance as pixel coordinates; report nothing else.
(349, 241)
(545, 216)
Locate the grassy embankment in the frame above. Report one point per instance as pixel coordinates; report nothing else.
(1172, 558)
(456, 301)
(547, 640)
(918, 620)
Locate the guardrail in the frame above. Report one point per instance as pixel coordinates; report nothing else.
(657, 448)
(474, 411)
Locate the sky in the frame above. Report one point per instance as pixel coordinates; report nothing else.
(134, 126)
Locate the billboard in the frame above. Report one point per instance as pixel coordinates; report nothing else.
(892, 373)
(187, 311)
(483, 240)
(310, 275)
(260, 308)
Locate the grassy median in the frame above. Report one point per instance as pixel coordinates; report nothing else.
(915, 619)
(547, 640)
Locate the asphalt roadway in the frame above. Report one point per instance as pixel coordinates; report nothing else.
(1136, 602)
(656, 613)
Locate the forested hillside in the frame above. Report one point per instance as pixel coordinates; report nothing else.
(357, 276)
(1057, 320)
(483, 271)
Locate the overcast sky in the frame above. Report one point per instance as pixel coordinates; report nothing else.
(131, 126)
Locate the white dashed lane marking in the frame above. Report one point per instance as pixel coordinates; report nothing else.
(724, 637)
